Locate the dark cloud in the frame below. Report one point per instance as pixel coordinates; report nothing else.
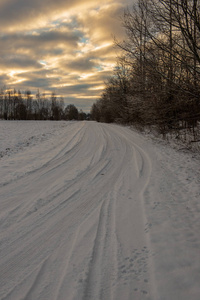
(80, 64)
(18, 61)
(38, 82)
(43, 39)
(16, 12)
(76, 88)
(20, 12)
(55, 36)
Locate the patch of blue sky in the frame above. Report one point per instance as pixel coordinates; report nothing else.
(43, 62)
(99, 68)
(72, 23)
(56, 22)
(84, 40)
(77, 51)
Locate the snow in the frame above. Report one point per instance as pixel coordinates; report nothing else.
(94, 211)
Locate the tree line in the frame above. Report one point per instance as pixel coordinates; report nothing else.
(156, 81)
(15, 105)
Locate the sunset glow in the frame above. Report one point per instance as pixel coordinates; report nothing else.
(61, 46)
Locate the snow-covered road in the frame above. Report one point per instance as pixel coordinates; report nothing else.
(94, 211)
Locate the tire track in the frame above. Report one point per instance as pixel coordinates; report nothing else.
(102, 268)
(99, 167)
(142, 163)
(37, 281)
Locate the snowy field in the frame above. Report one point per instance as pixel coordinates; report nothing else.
(92, 211)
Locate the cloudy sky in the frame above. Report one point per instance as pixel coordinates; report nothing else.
(64, 46)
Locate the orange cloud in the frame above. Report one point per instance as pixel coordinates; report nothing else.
(60, 45)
